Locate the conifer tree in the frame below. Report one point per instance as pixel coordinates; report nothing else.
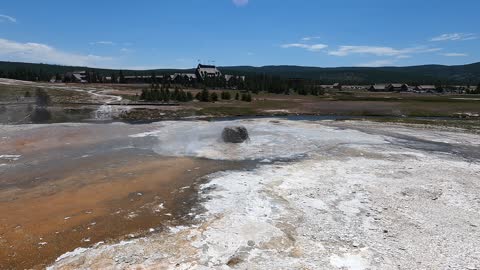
(121, 77)
(205, 95)
(214, 97)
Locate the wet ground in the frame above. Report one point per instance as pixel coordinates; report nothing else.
(69, 186)
(299, 195)
(325, 195)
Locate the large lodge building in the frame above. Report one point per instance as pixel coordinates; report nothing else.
(202, 72)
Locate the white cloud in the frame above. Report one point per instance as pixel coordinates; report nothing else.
(102, 43)
(380, 51)
(126, 50)
(378, 63)
(454, 54)
(310, 47)
(240, 3)
(41, 53)
(4, 18)
(309, 38)
(455, 36)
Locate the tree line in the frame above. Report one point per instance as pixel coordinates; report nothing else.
(259, 83)
(253, 82)
(206, 96)
(163, 94)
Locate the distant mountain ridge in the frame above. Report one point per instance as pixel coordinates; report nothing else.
(425, 74)
(463, 74)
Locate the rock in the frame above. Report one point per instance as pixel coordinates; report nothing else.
(237, 134)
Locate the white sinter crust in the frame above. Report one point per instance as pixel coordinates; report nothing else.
(356, 201)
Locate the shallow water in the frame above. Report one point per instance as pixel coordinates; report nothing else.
(72, 185)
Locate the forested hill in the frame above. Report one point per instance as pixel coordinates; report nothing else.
(427, 74)
(29, 71)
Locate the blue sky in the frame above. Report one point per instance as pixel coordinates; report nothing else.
(178, 33)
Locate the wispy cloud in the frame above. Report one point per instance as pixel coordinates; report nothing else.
(240, 3)
(377, 63)
(42, 53)
(380, 51)
(309, 38)
(455, 36)
(126, 50)
(454, 54)
(111, 43)
(6, 18)
(309, 47)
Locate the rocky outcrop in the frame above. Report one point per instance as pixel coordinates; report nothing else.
(236, 134)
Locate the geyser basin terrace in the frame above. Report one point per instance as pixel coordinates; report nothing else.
(323, 194)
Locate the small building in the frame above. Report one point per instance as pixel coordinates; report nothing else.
(184, 78)
(397, 87)
(337, 86)
(207, 71)
(378, 88)
(234, 77)
(354, 87)
(76, 76)
(425, 88)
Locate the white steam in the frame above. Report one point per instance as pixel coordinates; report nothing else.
(269, 139)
